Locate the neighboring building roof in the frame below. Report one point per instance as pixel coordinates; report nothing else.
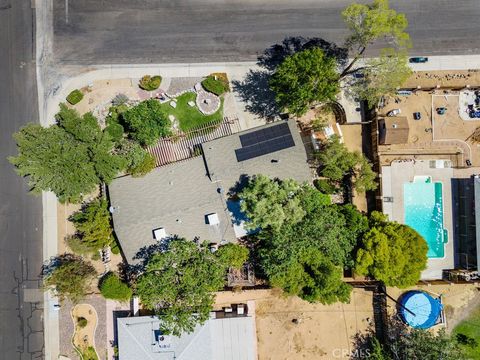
(180, 197)
(217, 339)
(393, 130)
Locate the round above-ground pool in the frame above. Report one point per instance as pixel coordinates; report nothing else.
(419, 310)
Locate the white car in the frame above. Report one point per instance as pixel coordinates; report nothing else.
(394, 112)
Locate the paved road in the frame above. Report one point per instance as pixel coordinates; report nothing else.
(21, 329)
(122, 31)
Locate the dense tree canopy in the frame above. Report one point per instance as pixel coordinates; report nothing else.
(69, 276)
(305, 78)
(391, 252)
(179, 284)
(93, 224)
(146, 122)
(69, 158)
(311, 276)
(337, 163)
(50, 157)
(304, 255)
(369, 23)
(232, 255)
(269, 203)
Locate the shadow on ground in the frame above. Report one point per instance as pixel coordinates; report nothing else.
(255, 91)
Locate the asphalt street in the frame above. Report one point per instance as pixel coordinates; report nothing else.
(21, 326)
(159, 31)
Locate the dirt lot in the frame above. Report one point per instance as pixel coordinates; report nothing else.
(319, 331)
(430, 79)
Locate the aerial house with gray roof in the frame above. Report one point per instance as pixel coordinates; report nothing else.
(189, 198)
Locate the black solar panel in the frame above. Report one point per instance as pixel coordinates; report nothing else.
(264, 142)
(264, 134)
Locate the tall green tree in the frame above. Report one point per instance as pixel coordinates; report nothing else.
(69, 158)
(54, 161)
(369, 24)
(269, 203)
(381, 76)
(69, 277)
(311, 276)
(305, 257)
(338, 162)
(93, 224)
(303, 79)
(391, 252)
(179, 284)
(146, 122)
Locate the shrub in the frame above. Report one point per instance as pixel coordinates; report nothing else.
(216, 85)
(115, 131)
(78, 246)
(232, 255)
(75, 97)
(82, 322)
(112, 287)
(115, 248)
(95, 256)
(139, 161)
(119, 99)
(150, 83)
(146, 122)
(324, 186)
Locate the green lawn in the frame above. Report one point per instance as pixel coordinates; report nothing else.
(190, 117)
(471, 328)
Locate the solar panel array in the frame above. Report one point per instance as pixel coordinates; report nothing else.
(265, 141)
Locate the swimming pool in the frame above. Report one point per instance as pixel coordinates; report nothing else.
(423, 208)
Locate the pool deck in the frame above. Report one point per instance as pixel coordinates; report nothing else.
(393, 178)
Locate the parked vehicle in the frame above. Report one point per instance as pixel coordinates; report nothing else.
(441, 110)
(468, 162)
(418, 59)
(394, 112)
(417, 115)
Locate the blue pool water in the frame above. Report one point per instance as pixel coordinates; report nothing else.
(423, 208)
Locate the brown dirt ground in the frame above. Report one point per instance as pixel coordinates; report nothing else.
(84, 337)
(322, 331)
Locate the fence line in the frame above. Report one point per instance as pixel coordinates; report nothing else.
(182, 146)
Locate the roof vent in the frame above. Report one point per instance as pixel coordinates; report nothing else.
(162, 342)
(159, 233)
(213, 219)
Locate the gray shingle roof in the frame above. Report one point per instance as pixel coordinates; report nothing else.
(218, 339)
(178, 196)
(291, 163)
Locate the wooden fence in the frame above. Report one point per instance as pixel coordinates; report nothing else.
(182, 146)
